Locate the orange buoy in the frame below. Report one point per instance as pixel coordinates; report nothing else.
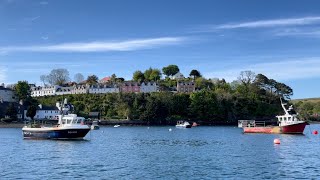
(315, 132)
(276, 141)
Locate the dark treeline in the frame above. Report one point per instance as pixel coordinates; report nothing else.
(253, 97)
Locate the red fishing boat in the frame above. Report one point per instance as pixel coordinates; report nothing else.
(288, 123)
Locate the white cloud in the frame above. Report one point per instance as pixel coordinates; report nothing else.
(280, 70)
(297, 32)
(273, 23)
(98, 46)
(45, 38)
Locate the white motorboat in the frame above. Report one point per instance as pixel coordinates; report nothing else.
(69, 126)
(183, 124)
(95, 125)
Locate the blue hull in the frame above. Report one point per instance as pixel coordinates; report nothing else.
(55, 134)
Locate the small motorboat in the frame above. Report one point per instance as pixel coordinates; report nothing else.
(183, 124)
(95, 125)
(117, 125)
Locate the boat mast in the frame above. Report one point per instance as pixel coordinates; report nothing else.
(283, 107)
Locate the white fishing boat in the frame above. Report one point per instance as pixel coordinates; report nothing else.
(69, 126)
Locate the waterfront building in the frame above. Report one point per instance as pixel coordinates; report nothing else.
(149, 87)
(186, 87)
(45, 112)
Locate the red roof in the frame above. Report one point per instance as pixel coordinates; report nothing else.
(105, 79)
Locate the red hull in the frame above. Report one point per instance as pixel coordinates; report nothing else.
(267, 130)
(294, 129)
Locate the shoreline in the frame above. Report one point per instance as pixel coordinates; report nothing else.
(20, 125)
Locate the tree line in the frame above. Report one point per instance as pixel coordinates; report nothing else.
(214, 101)
(253, 97)
(61, 76)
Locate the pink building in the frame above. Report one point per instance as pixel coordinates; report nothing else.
(186, 87)
(130, 87)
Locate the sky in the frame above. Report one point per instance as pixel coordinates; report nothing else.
(279, 39)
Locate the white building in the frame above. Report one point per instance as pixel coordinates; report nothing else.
(64, 90)
(44, 112)
(80, 89)
(44, 91)
(149, 87)
(178, 76)
(7, 95)
(102, 89)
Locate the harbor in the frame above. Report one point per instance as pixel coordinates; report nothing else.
(135, 152)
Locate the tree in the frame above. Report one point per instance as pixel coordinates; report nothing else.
(11, 112)
(120, 79)
(93, 79)
(170, 70)
(22, 90)
(195, 73)
(113, 78)
(31, 111)
(283, 90)
(138, 76)
(58, 76)
(147, 73)
(155, 75)
(78, 78)
(43, 79)
(152, 74)
(246, 77)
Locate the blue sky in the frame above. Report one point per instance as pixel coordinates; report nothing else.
(279, 39)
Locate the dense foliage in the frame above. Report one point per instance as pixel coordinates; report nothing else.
(308, 109)
(22, 90)
(215, 103)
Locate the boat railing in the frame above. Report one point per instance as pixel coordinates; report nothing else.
(251, 123)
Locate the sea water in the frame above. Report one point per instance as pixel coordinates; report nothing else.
(157, 153)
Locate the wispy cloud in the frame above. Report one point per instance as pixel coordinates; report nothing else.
(44, 38)
(297, 32)
(280, 70)
(272, 23)
(98, 46)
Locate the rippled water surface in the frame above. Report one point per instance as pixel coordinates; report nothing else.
(157, 153)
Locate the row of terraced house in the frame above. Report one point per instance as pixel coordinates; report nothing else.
(127, 87)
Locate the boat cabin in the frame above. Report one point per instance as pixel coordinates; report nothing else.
(70, 119)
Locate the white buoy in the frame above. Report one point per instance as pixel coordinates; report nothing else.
(276, 141)
(170, 129)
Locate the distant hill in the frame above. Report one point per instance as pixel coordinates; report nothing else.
(312, 100)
